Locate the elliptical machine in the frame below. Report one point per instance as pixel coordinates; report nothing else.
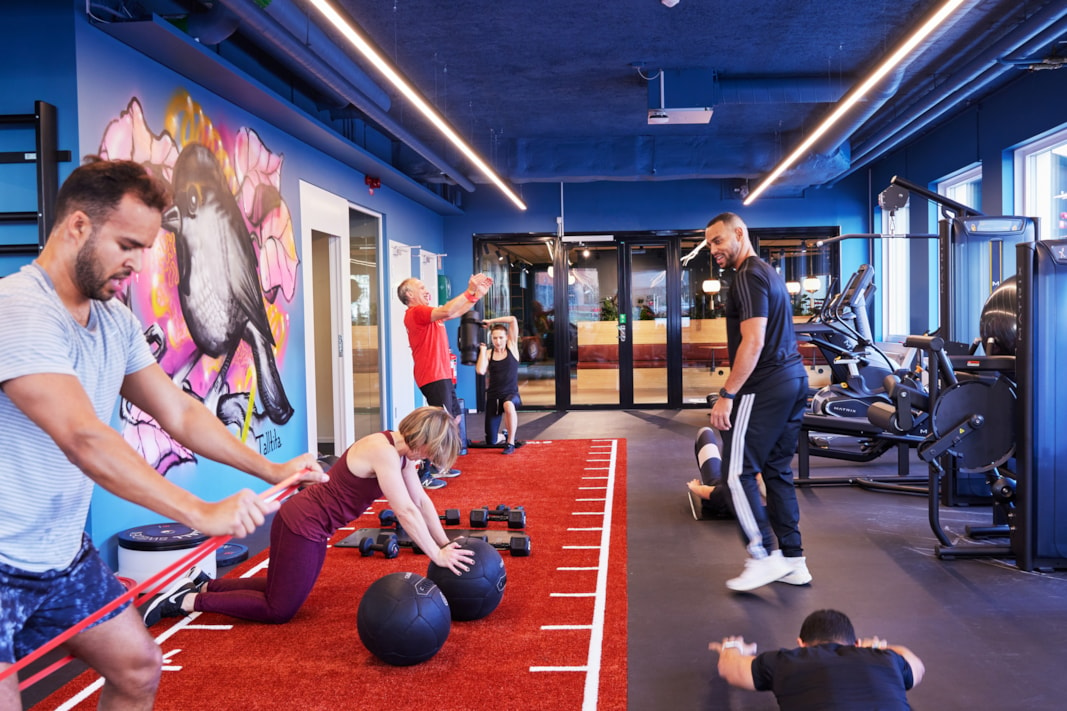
(841, 331)
(836, 425)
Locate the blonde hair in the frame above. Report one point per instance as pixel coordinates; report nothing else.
(433, 431)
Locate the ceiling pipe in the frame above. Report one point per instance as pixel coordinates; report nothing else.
(296, 23)
(275, 38)
(1041, 29)
(297, 19)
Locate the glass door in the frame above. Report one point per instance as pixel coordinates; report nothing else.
(523, 286)
(705, 359)
(597, 322)
(363, 309)
(650, 306)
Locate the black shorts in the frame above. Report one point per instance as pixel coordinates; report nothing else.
(441, 393)
(494, 404)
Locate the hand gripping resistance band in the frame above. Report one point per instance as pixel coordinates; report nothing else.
(146, 589)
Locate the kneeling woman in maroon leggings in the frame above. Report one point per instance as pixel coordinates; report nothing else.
(383, 463)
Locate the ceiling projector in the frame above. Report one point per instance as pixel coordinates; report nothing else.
(658, 116)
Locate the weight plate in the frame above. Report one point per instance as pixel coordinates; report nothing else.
(993, 443)
(161, 537)
(230, 554)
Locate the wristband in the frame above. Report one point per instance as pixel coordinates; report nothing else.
(726, 394)
(473, 298)
(733, 644)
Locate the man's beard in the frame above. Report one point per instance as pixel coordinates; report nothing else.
(87, 274)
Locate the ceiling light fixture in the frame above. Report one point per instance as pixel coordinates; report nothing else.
(348, 30)
(857, 94)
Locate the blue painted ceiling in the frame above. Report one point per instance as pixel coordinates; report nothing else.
(554, 91)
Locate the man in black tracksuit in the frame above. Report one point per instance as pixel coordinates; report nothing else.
(760, 408)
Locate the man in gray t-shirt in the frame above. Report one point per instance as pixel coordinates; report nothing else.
(68, 349)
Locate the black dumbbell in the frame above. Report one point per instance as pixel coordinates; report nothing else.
(515, 516)
(387, 543)
(518, 546)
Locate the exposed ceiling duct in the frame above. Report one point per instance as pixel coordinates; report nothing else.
(1044, 28)
(330, 65)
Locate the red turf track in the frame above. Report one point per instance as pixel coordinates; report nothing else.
(317, 661)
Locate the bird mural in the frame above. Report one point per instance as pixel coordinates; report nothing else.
(218, 283)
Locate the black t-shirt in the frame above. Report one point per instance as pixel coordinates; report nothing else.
(758, 291)
(829, 677)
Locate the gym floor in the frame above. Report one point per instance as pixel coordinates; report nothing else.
(989, 634)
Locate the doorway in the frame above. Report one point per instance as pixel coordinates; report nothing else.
(630, 320)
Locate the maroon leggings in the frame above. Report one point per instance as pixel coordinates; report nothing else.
(295, 563)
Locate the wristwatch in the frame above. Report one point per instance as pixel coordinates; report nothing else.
(726, 394)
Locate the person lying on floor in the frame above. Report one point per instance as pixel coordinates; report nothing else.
(830, 669)
(707, 499)
(384, 463)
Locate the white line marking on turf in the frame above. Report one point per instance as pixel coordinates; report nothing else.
(591, 528)
(596, 641)
(574, 568)
(566, 627)
(600, 499)
(581, 548)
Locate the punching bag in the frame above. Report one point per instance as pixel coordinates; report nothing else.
(470, 335)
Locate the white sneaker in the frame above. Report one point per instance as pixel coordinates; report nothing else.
(760, 571)
(799, 575)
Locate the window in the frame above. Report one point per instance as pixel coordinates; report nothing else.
(1041, 184)
(964, 187)
(895, 280)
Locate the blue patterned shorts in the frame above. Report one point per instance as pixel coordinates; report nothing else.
(37, 607)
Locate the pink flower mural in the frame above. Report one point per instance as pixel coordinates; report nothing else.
(215, 331)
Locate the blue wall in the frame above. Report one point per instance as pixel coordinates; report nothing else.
(37, 66)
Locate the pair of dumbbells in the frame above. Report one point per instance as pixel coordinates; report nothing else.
(514, 515)
(387, 518)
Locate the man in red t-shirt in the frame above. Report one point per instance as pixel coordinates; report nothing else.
(429, 343)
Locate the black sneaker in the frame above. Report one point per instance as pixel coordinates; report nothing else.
(169, 602)
(200, 579)
(509, 448)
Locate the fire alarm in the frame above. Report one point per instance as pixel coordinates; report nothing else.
(372, 183)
